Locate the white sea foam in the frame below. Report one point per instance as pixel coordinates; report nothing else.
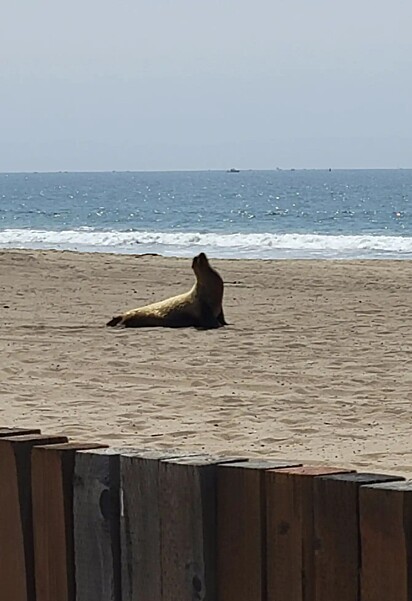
(245, 245)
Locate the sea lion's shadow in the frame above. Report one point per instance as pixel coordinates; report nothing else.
(207, 328)
(47, 327)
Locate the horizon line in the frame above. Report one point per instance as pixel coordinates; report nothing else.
(224, 170)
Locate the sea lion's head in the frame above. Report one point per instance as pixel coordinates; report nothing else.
(207, 278)
(200, 263)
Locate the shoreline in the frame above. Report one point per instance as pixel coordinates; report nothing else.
(314, 366)
(194, 251)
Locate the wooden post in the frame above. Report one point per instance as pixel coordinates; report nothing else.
(336, 517)
(96, 510)
(290, 536)
(140, 524)
(188, 528)
(16, 522)
(52, 491)
(386, 541)
(241, 529)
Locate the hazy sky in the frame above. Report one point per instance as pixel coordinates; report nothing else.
(191, 84)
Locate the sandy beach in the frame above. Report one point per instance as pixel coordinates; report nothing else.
(315, 364)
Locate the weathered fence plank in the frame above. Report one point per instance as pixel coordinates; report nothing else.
(386, 541)
(290, 536)
(140, 524)
(16, 521)
(96, 518)
(52, 491)
(336, 518)
(241, 529)
(188, 528)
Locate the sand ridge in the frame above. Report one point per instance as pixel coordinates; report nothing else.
(315, 364)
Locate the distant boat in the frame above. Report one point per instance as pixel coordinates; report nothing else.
(233, 170)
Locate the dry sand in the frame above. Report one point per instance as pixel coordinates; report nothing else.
(315, 365)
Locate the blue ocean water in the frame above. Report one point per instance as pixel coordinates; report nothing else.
(250, 214)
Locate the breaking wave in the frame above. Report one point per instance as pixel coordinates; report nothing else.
(229, 245)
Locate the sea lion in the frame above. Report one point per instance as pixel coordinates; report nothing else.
(201, 307)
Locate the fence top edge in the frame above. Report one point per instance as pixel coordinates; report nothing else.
(155, 454)
(305, 471)
(4, 432)
(394, 486)
(35, 439)
(203, 460)
(105, 451)
(362, 478)
(70, 446)
(261, 464)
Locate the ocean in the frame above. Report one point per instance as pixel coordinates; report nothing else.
(338, 214)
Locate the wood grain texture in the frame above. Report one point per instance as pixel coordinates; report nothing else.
(188, 528)
(96, 519)
(140, 525)
(336, 519)
(290, 532)
(16, 523)
(386, 541)
(52, 491)
(241, 529)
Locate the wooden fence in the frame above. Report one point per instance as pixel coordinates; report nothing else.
(89, 523)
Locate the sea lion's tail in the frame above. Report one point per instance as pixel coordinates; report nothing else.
(114, 321)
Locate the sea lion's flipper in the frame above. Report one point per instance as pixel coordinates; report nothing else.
(207, 320)
(221, 319)
(114, 321)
